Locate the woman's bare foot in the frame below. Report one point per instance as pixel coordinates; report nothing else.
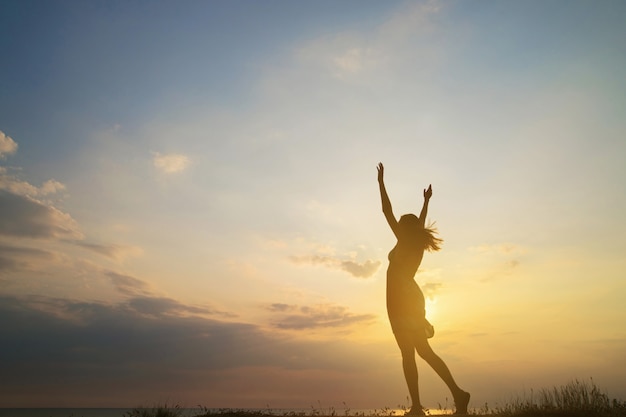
(416, 410)
(461, 401)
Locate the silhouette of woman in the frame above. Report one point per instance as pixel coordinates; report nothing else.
(405, 301)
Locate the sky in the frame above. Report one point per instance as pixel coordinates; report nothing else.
(189, 210)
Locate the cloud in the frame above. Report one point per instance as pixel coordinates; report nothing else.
(10, 183)
(14, 258)
(16, 186)
(23, 212)
(358, 270)
(410, 20)
(343, 56)
(56, 351)
(364, 270)
(143, 330)
(513, 263)
(7, 145)
(171, 163)
(23, 216)
(126, 284)
(51, 187)
(430, 289)
(144, 301)
(113, 251)
(315, 317)
(349, 55)
(351, 61)
(281, 307)
(163, 306)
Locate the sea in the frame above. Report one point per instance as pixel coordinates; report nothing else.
(80, 412)
(69, 412)
(191, 412)
(64, 412)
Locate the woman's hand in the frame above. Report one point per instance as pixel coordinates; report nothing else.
(381, 172)
(428, 192)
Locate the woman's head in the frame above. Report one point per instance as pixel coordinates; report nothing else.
(410, 228)
(413, 230)
(409, 222)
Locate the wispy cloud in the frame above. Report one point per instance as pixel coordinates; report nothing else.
(7, 145)
(359, 270)
(142, 299)
(348, 56)
(351, 61)
(430, 289)
(14, 258)
(164, 306)
(294, 317)
(171, 163)
(113, 251)
(127, 284)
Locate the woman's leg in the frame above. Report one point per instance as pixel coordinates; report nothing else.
(407, 348)
(461, 398)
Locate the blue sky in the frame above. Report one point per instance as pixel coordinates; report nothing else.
(207, 169)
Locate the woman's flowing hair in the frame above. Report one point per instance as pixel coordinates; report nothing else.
(423, 237)
(432, 243)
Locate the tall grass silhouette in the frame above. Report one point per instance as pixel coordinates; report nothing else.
(574, 399)
(577, 398)
(156, 411)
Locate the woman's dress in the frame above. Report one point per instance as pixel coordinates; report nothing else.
(405, 300)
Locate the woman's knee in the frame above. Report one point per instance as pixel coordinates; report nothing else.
(425, 351)
(408, 352)
(406, 345)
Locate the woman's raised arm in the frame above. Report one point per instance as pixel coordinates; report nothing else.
(427, 194)
(387, 210)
